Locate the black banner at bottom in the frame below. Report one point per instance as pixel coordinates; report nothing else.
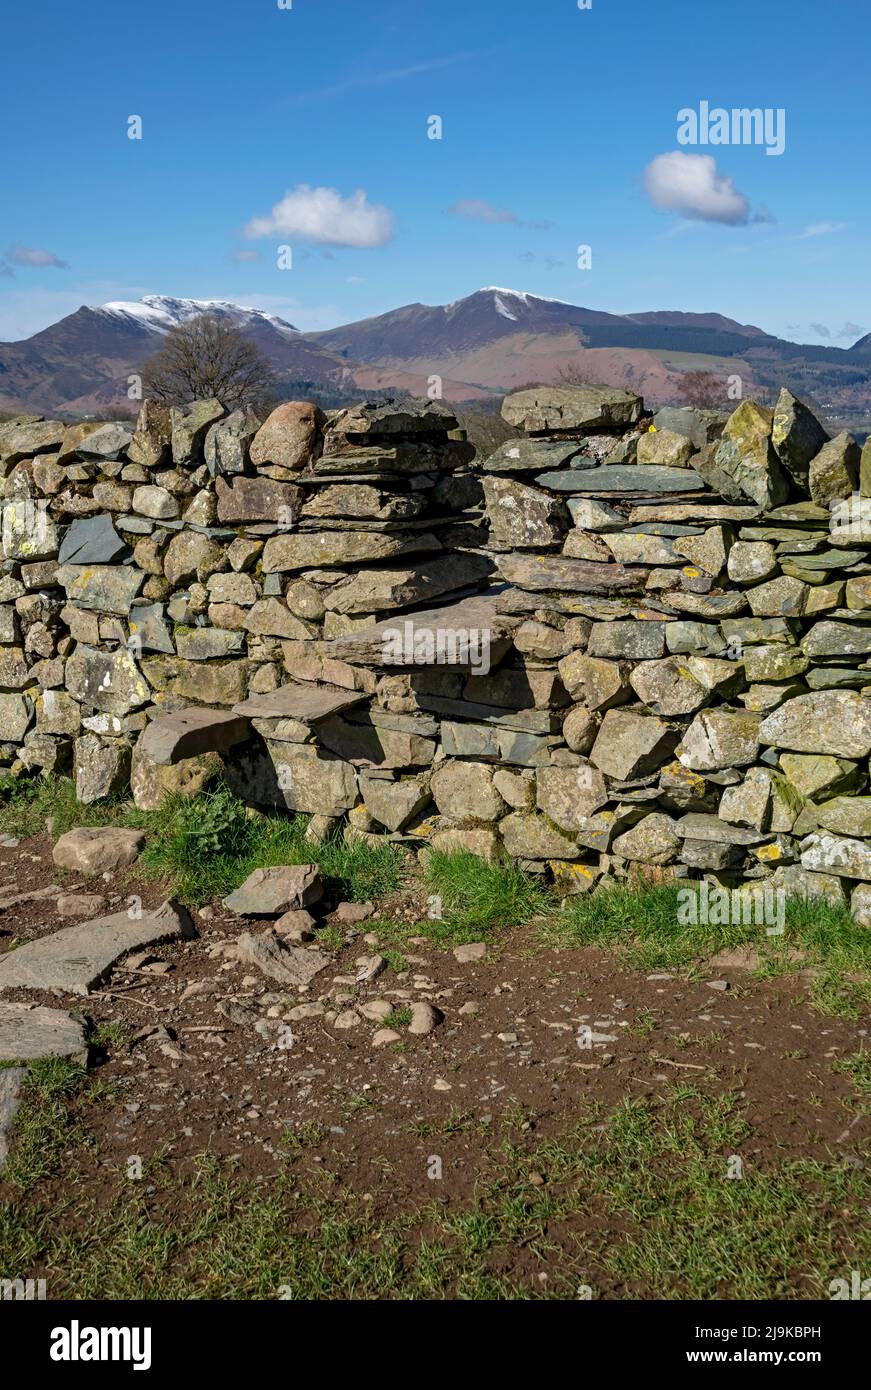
(64, 1339)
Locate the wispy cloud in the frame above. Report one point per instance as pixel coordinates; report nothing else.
(323, 215)
(378, 78)
(34, 257)
(849, 330)
(818, 229)
(479, 210)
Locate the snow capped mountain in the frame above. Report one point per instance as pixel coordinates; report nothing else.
(160, 312)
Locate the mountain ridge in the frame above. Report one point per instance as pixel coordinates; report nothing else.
(480, 345)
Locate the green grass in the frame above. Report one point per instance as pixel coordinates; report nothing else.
(477, 899)
(397, 1018)
(27, 804)
(45, 1124)
(643, 927)
(637, 1202)
(206, 847)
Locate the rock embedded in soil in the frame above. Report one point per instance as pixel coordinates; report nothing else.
(287, 965)
(76, 959)
(28, 1033)
(94, 850)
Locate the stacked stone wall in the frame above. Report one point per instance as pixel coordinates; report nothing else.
(621, 644)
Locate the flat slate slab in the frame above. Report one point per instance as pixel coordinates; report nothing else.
(643, 478)
(543, 572)
(303, 702)
(531, 455)
(76, 959)
(92, 540)
(11, 1079)
(28, 1032)
(171, 738)
(450, 635)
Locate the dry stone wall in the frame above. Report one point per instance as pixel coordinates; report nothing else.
(620, 644)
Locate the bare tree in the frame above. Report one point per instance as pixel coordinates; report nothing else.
(702, 389)
(208, 357)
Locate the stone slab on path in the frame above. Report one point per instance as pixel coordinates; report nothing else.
(292, 966)
(30, 1031)
(188, 733)
(76, 959)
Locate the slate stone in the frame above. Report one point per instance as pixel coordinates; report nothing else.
(551, 409)
(626, 478)
(76, 959)
(28, 1032)
(92, 540)
(171, 738)
(531, 455)
(307, 703)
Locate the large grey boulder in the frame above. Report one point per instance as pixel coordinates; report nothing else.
(101, 588)
(630, 745)
(289, 437)
(720, 738)
(797, 436)
(834, 722)
(107, 681)
(190, 425)
(745, 453)
(523, 517)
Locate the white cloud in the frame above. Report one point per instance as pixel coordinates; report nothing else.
(34, 256)
(692, 185)
(323, 215)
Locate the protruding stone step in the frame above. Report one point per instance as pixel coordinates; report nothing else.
(455, 634)
(76, 959)
(190, 732)
(307, 703)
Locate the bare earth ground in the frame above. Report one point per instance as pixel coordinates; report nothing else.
(481, 1160)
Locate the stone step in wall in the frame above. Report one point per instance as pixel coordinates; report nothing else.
(653, 651)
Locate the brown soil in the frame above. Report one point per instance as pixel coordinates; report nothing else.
(215, 1084)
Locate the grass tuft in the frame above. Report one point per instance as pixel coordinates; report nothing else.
(476, 899)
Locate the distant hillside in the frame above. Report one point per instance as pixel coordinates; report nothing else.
(480, 346)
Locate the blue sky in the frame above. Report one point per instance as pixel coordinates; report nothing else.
(552, 118)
